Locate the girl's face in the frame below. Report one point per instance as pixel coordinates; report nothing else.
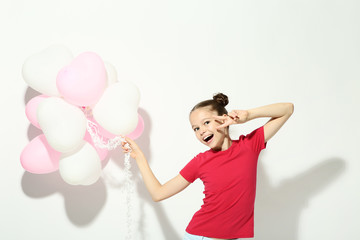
(204, 126)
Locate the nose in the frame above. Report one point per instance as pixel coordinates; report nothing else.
(202, 131)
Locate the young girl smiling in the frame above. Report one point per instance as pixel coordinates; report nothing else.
(227, 169)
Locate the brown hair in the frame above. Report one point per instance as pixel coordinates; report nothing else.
(217, 104)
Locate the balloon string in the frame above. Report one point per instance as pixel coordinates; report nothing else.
(99, 141)
(111, 144)
(129, 191)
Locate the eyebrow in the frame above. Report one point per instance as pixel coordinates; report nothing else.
(201, 121)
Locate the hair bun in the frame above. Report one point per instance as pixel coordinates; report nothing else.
(221, 98)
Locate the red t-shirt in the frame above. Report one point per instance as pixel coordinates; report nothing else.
(229, 178)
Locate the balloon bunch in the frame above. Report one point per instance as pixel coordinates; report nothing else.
(82, 112)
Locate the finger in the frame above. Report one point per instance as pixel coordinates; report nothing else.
(220, 117)
(233, 115)
(129, 140)
(131, 143)
(224, 125)
(125, 149)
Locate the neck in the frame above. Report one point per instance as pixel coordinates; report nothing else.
(225, 145)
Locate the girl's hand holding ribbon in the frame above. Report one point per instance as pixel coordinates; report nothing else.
(130, 146)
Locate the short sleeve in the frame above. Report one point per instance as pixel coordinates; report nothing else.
(256, 140)
(191, 170)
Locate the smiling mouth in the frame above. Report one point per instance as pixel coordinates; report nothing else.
(208, 138)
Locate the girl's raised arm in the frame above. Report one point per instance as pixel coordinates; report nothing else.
(278, 112)
(157, 190)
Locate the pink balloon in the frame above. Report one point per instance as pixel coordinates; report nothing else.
(38, 157)
(102, 152)
(138, 130)
(31, 108)
(83, 81)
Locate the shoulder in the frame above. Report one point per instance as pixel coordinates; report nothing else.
(256, 132)
(205, 153)
(255, 139)
(202, 155)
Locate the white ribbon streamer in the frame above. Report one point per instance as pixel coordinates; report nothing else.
(99, 141)
(111, 144)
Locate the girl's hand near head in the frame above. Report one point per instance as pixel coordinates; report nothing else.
(234, 117)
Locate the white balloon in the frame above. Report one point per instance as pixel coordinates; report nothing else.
(40, 70)
(111, 73)
(116, 111)
(63, 124)
(82, 167)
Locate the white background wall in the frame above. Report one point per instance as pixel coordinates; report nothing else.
(179, 53)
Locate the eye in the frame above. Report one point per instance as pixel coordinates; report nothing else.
(196, 129)
(206, 122)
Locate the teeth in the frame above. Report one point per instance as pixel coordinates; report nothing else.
(207, 138)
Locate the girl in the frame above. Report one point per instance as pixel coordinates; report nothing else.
(227, 169)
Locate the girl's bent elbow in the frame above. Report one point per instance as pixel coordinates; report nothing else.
(290, 108)
(157, 199)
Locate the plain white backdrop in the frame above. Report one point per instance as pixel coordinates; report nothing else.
(179, 53)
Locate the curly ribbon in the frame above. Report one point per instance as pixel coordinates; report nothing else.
(111, 144)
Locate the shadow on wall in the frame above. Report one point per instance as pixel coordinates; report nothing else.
(278, 209)
(143, 141)
(29, 94)
(277, 213)
(84, 203)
